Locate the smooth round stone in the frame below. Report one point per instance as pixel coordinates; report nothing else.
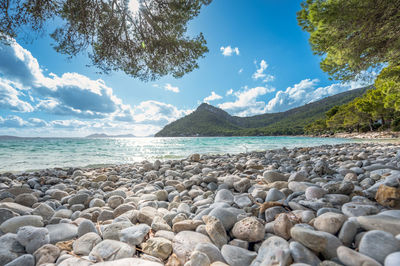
(224, 195)
(271, 213)
(17, 208)
(348, 232)
(115, 201)
(44, 210)
(249, 229)
(274, 195)
(84, 244)
(134, 235)
(337, 199)
(215, 230)
(25, 260)
(301, 254)
(185, 242)
(380, 222)
(6, 214)
(392, 213)
(243, 200)
(350, 257)
(329, 222)
(325, 210)
(110, 250)
(227, 216)
(314, 193)
(10, 248)
(63, 213)
(112, 231)
(358, 209)
(62, 232)
(158, 247)
(267, 253)
(272, 176)
(26, 199)
(126, 262)
(199, 259)
(78, 199)
(32, 238)
(213, 253)
(378, 244)
(96, 203)
(393, 259)
(46, 254)
(236, 256)
(86, 226)
(12, 225)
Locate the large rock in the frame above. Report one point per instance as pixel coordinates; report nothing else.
(273, 251)
(301, 254)
(393, 259)
(33, 238)
(12, 225)
(46, 254)
(10, 248)
(351, 257)
(109, 250)
(249, 229)
(62, 232)
(185, 242)
(378, 244)
(236, 256)
(17, 208)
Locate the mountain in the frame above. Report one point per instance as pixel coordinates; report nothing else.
(208, 120)
(102, 135)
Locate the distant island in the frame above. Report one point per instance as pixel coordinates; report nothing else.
(208, 120)
(103, 135)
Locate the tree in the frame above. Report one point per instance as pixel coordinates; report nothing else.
(147, 44)
(388, 82)
(352, 35)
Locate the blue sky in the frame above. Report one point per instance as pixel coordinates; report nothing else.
(259, 61)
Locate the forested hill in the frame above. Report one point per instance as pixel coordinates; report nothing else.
(208, 120)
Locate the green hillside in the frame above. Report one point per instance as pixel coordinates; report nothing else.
(208, 120)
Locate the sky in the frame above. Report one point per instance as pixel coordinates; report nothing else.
(259, 61)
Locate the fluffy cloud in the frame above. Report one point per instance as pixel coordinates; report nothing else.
(229, 92)
(212, 97)
(169, 87)
(9, 98)
(246, 103)
(306, 91)
(155, 112)
(260, 73)
(240, 71)
(228, 50)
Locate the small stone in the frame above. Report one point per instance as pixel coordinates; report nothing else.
(282, 226)
(301, 254)
(215, 230)
(271, 176)
(126, 262)
(388, 196)
(160, 224)
(199, 259)
(44, 210)
(109, 250)
(242, 185)
(26, 199)
(314, 193)
(158, 247)
(393, 259)
(380, 222)
(213, 253)
(186, 225)
(78, 199)
(224, 195)
(115, 201)
(242, 201)
(32, 238)
(185, 242)
(249, 229)
(62, 232)
(10, 248)
(147, 214)
(86, 226)
(348, 232)
(274, 195)
(12, 225)
(85, 244)
(25, 260)
(134, 235)
(6, 214)
(378, 244)
(329, 222)
(354, 209)
(46, 254)
(273, 251)
(227, 216)
(17, 208)
(351, 257)
(236, 256)
(112, 231)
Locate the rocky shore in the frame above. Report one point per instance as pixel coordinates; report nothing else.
(327, 205)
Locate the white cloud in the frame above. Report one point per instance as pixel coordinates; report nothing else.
(212, 97)
(246, 102)
(169, 87)
(228, 50)
(260, 71)
(9, 98)
(306, 91)
(134, 6)
(229, 92)
(240, 71)
(268, 78)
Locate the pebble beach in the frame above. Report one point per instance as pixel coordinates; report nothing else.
(324, 205)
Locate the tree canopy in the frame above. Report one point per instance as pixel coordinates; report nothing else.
(147, 43)
(353, 36)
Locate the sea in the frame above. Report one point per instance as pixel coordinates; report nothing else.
(29, 154)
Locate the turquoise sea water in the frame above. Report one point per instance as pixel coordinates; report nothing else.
(32, 154)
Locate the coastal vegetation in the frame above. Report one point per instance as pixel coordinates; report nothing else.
(208, 120)
(362, 42)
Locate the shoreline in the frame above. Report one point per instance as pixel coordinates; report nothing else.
(209, 208)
